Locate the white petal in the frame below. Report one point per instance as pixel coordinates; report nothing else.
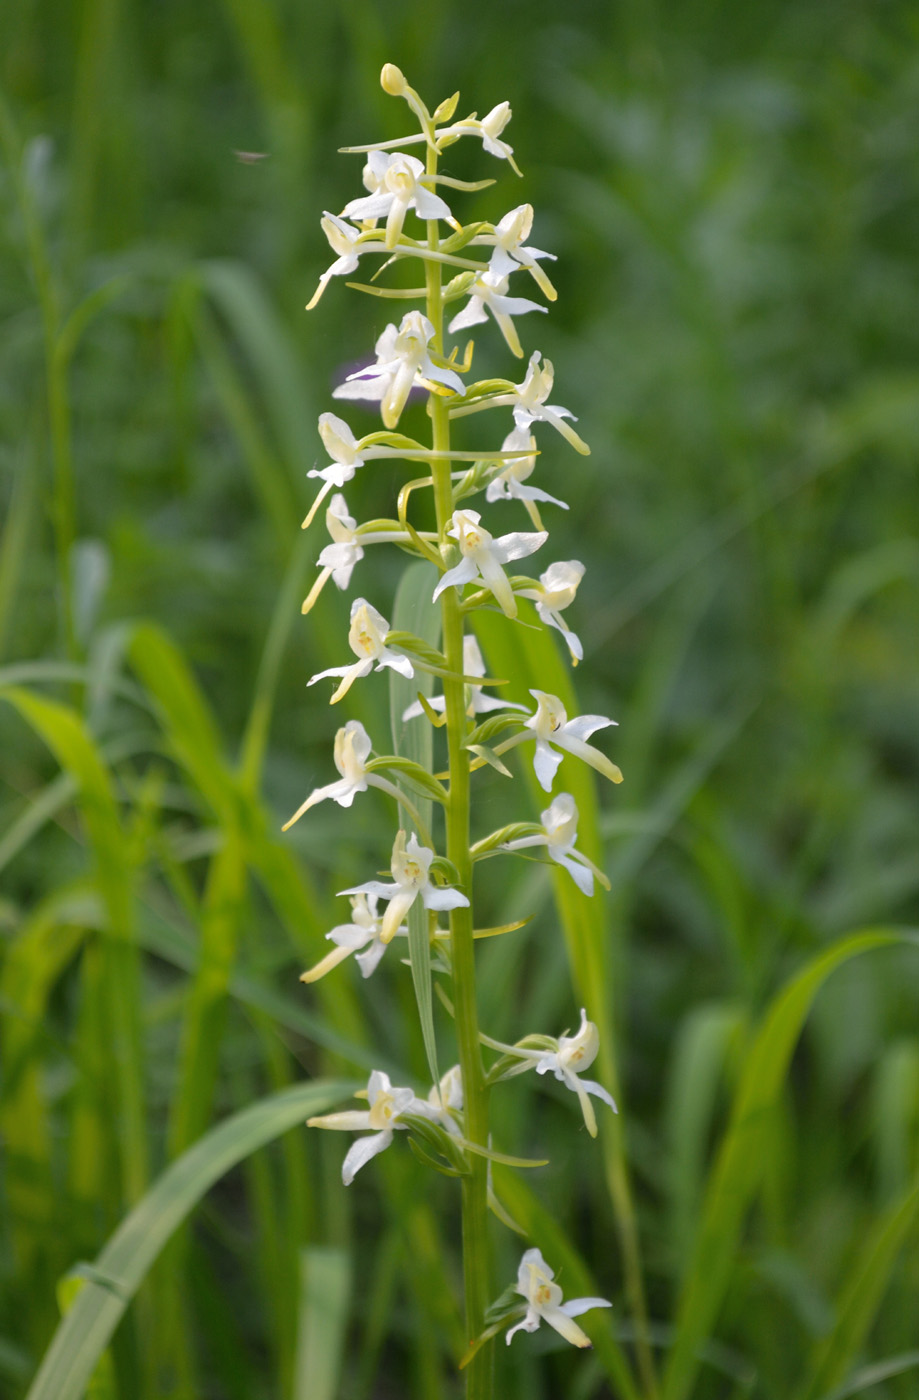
(370, 206)
(598, 1092)
(581, 876)
(369, 961)
(434, 898)
(396, 662)
(518, 546)
(471, 315)
(529, 1324)
(559, 1319)
(464, 572)
(545, 762)
(429, 205)
(378, 887)
(585, 725)
(373, 388)
(576, 1306)
(361, 1152)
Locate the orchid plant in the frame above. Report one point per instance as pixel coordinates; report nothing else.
(432, 875)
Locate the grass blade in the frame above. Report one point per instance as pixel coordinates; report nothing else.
(736, 1173)
(116, 1275)
(325, 1290)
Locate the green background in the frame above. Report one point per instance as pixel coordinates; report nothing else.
(732, 195)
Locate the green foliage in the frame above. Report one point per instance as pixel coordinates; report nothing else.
(733, 197)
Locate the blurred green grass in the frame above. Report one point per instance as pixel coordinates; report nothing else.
(733, 198)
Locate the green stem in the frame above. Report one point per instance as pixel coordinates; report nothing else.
(476, 1271)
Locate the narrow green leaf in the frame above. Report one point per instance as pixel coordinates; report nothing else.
(325, 1295)
(416, 614)
(861, 1295)
(125, 1261)
(736, 1173)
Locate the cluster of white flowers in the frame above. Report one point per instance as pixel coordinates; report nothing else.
(473, 561)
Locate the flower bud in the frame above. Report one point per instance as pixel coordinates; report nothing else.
(392, 80)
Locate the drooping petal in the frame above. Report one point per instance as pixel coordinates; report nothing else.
(369, 960)
(579, 873)
(437, 897)
(559, 1319)
(545, 764)
(462, 573)
(361, 1151)
(598, 1092)
(529, 1324)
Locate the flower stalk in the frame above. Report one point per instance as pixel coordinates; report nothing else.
(450, 1130)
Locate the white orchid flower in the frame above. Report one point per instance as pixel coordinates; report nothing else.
(395, 187)
(351, 752)
(510, 234)
(350, 938)
(402, 360)
(483, 557)
(477, 702)
(530, 403)
(572, 1055)
(558, 835)
(337, 560)
(544, 1302)
(489, 290)
(552, 729)
(367, 639)
(410, 866)
(489, 129)
(387, 1105)
(446, 1099)
(346, 242)
(556, 590)
(508, 484)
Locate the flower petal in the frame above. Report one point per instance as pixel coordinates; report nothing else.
(545, 762)
(436, 898)
(464, 572)
(360, 1153)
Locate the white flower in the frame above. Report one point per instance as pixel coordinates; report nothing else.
(367, 639)
(544, 1302)
(387, 1105)
(342, 446)
(508, 238)
(489, 289)
(573, 1054)
(345, 241)
(344, 552)
(337, 560)
(508, 484)
(446, 1099)
(410, 866)
(554, 730)
(530, 403)
(558, 835)
(395, 187)
(350, 938)
(489, 129)
(402, 360)
(483, 557)
(352, 750)
(556, 590)
(477, 701)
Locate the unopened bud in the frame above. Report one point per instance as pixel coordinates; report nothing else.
(392, 80)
